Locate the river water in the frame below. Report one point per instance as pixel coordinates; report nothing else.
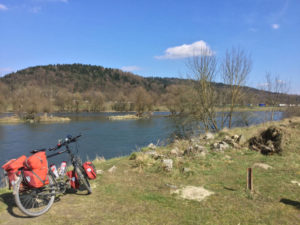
(100, 136)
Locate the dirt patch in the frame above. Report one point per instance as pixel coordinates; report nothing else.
(268, 141)
(193, 193)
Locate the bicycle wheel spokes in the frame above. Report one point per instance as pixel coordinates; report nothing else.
(34, 201)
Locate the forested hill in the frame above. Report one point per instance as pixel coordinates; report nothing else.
(82, 78)
(78, 87)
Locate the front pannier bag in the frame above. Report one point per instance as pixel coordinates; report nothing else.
(73, 179)
(90, 170)
(36, 170)
(11, 168)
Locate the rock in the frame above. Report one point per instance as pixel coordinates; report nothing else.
(295, 182)
(208, 136)
(235, 137)
(99, 171)
(154, 155)
(186, 170)
(193, 193)
(241, 140)
(112, 169)
(175, 152)
(263, 166)
(220, 146)
(167, 164)
(171, 186)
(195, 150)
(152, 146)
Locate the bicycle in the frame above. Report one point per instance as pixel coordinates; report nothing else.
(37, 201)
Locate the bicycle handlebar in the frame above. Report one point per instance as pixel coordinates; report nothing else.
(67, 141)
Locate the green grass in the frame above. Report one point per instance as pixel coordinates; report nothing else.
(141, 195)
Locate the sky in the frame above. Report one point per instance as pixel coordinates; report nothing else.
(152, 38)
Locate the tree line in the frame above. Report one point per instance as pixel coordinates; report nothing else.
(77, 88)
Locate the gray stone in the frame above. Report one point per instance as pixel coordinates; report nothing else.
(220, 146)
(186, 170)
(168, 164)
(241, 140)
(152, 146)
(112, 169)
(263, 166)
(208, 136)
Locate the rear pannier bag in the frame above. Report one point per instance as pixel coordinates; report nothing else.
(90, 170)
(36, 170)
(73, 179)
(11, 168)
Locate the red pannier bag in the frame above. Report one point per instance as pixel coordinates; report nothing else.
(36, 170)
(90, 170)
(73, 179)
(12, 167)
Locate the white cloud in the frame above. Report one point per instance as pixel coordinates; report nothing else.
(130, 68)
(186, 50)
(3, 7)
(275, 26)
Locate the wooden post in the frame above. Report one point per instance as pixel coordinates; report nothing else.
(250, 179)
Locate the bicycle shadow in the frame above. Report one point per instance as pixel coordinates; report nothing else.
(12, 209)
(8, 199)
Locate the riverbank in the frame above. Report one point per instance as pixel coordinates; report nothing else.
(38, 119)
(202, 185)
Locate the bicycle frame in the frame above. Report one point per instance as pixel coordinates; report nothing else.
(74, 161)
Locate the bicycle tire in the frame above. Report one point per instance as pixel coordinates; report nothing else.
(83, 179)
(34, 202)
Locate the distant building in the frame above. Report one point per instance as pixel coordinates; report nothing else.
(282, 105)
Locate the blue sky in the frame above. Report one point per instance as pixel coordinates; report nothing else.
(151, 38)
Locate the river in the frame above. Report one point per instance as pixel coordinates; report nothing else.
(100, 136)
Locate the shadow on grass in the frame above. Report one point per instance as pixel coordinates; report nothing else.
(8, 199)
(290, 202)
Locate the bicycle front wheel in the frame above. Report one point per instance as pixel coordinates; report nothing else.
(34, 201)
(83, 180)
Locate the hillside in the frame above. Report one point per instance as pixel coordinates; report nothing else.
(81, 78)
(77, 87)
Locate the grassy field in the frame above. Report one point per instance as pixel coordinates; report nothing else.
(139, 191)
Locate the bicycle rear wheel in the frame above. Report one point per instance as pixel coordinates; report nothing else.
(82, 178)
(34, 201)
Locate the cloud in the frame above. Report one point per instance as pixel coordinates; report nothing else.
(275, 26)
(130, 68)
(186, 50)
(3, 7)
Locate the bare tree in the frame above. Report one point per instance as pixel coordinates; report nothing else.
(235, 69)
(204, 100)
(276, 90)
(142, 101)
(176, 98)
